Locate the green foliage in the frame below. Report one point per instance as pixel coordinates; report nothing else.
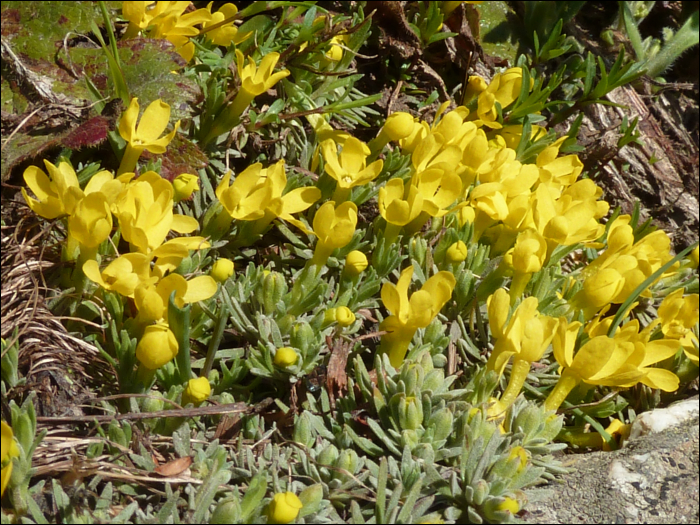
(292, 352)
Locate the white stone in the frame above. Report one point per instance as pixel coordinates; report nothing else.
(663, 418)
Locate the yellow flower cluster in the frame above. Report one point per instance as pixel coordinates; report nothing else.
(143, 207)
(172, 22)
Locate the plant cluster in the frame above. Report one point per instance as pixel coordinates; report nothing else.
(462, 269)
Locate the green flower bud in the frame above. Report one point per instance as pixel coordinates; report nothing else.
(285, 323)
(274, 288)
(344, 316)
(442, 422)
(222, 270)
(302, 431)
(311, 498)
(481, 491)
(153, 404)
(349, 461)
(285, 357)
(409, 438)
(410, 413)
(355, 263)
(412, 376)
(227, 511)
(456, 253)
(418, 250)
(303, 336)
(328, 456)
(284, 508)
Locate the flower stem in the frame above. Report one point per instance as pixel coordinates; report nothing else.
(518, 375)
(129, 160)
(566, 384)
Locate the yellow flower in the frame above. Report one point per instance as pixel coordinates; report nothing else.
(678, 316)
(396, 210)
(355, 263)
(256, 195)
(222, 270)
(197, 391)
(694, 257)
(573, 217)
(334, 227)
(509, 505)
(145, 213)
(146, 136)
(168, 20)
(152, 301)
(91, 222)
(407, 315)
(285, 357)
(621, 361)
(529, 255)
(344, 316)
(123, 274)
(457, 252)
(439, 190)
(558, 172)
(284, 508)
(9, 450)
(228, 33)
(157, 346)
(525, 336)
(254, 81)
(504, 89)
(349, 169)
(58, 195)
(185, 185)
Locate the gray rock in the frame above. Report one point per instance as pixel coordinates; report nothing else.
(653, 479)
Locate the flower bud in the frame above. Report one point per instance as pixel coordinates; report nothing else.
(349, 461)
(410, 413)
(222, 270)
(157, 346)
(328, 456)
(303, 336)
(355, 263)
(197, 391)
(302, 431)
(481, 491)
(419, 247)
(398, 126)
(274, 287)
(227, 511)
(694, 257)
(409, 438)
(284, 508)
(344, 316)
(509, 505)
(285, 357)
(185, 185)
(457, 253)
